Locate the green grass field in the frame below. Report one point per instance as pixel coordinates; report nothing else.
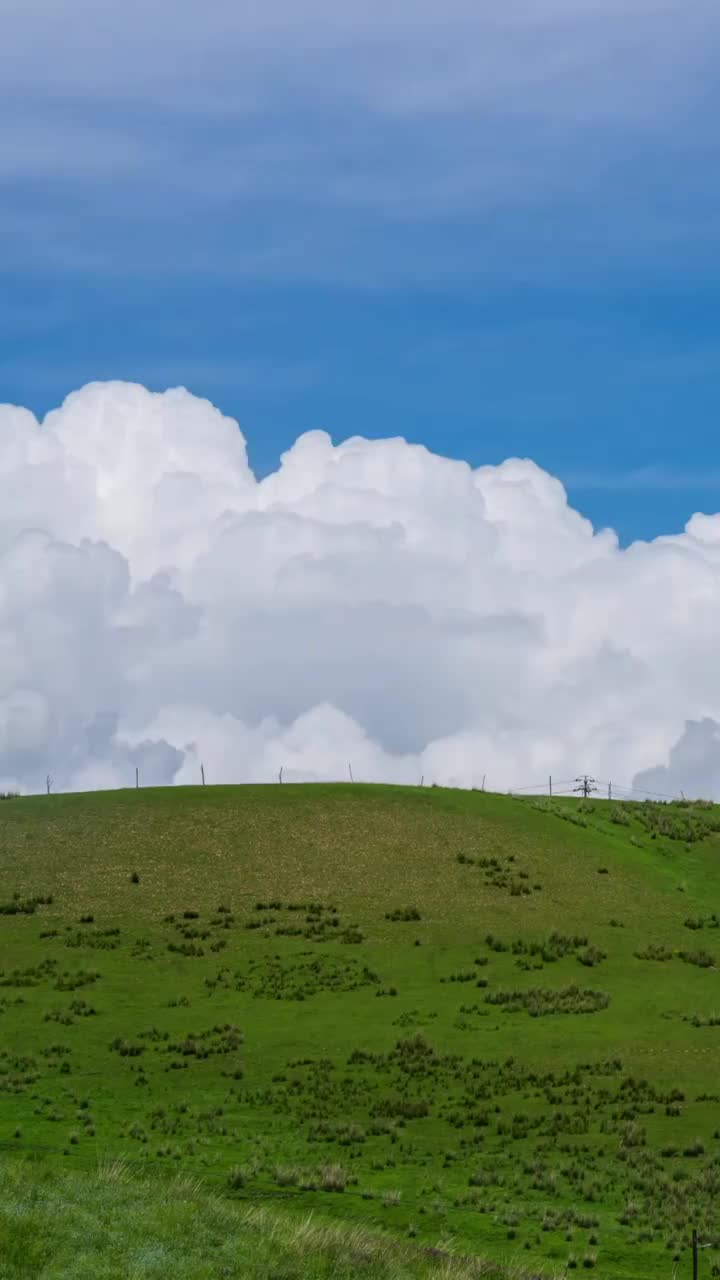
(464, 1021)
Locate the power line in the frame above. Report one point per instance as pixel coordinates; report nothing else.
(571, 786)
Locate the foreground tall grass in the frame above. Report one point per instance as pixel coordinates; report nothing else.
(56, 1225)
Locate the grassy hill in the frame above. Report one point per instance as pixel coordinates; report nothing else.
(440, 1015)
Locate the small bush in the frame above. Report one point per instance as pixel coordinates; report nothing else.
(24, 906)
(654, 952)
(333, 1177)
(540, 1002)
(703, 959)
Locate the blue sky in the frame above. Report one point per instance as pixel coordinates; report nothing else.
(489, 228)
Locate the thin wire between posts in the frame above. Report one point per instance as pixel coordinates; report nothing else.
(569, 786)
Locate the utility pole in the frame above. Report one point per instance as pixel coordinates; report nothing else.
(202, 773)
(137, 778)
(550, 786)
(695, 1254)
(586, 785)
(48, 783)
(351, 773)
(280, 774)
(609, 790)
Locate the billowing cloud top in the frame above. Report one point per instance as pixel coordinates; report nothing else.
(369, 603)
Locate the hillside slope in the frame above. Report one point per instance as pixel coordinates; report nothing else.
(440, 1013)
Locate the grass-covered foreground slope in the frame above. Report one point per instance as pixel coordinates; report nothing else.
(57, 1223)
(433, 1013)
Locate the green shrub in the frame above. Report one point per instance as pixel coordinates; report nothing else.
(703, 959)
(653, 951)
(540, 1002)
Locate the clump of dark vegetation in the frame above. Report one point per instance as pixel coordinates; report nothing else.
(298, 979)
(535, 954)
(322, 922)
(18, 906)
(188, 949)
(703, 1020)
(66, 1017)
(540, 1002)
(32, 976)
(352, 935)
(703, 959)
(501, 873)
(96, 939)
(403, 913)
(702, 922)
(217, 1040)
(126, 1048)
(72, 981)
(495, 944)
(654, 951)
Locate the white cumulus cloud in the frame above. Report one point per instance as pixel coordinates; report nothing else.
(368, 606)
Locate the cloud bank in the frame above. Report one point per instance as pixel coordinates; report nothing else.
(368, 604)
